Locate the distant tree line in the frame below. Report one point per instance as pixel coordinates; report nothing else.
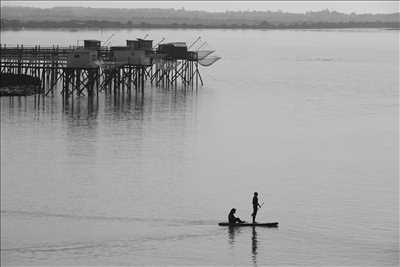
(78, 17)
(94, 24)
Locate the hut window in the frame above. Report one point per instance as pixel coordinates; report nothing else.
(76, 56)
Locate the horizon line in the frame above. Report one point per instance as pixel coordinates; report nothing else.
(191, 10)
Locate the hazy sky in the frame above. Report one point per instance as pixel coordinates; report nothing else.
(286, 6)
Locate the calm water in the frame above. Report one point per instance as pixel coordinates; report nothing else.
(309, 119)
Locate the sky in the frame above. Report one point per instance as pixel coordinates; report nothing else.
(218, 6)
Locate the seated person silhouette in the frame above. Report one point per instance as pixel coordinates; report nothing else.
(232, 219)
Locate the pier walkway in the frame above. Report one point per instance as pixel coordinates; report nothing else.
(90, 69)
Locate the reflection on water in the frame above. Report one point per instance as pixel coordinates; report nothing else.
(117, 106)
(233, 232)
(254, 245)
(81, 107)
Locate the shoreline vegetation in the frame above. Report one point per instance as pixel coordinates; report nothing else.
(93, 24)
(20, 18)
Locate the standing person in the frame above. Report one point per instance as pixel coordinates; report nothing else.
(256, 205)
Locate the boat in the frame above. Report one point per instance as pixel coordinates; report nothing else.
(270, 224)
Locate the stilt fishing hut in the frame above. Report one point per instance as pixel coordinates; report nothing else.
(143, 50)
(84, 57)
(88, 69)
(129, 65)
(176, 50)
(175, 64)
(82, 70)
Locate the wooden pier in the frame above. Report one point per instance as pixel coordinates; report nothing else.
(91, 69)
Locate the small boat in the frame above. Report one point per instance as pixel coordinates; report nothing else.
(270, 224)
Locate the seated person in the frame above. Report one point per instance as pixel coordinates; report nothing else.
(232, 219)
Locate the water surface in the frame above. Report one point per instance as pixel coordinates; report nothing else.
(309, 119)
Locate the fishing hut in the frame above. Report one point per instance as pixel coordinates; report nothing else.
(175, 64)
(92, 68)
(81, 73)
(127, 67)
(84, 57)
(143, 50)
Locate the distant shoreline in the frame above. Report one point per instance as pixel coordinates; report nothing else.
(17, 18)
(97, 25)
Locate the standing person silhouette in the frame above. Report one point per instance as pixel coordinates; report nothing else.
(256, 205)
